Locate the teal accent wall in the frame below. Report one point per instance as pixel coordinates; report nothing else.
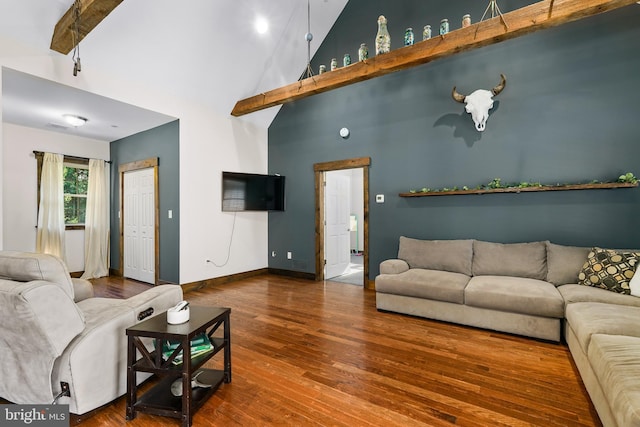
(569, 114)
(161, 142)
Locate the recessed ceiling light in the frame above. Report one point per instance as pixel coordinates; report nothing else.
(261, 25)
(74, 120)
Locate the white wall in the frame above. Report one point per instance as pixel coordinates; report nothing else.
(19, 192)
(209, 143)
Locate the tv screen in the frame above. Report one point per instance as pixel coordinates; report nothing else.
(252, 192)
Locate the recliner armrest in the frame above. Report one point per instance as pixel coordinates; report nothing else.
(154, 300)
(82, 289)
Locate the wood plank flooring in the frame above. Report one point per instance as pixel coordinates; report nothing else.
(319, 353)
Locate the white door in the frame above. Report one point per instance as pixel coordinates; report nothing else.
(337, 227)
(139, 225)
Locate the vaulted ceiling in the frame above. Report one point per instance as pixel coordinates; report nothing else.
(204, 51)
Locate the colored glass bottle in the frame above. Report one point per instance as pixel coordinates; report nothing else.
(408, 37)
(426, 32)
(363, 52)
(383, 38)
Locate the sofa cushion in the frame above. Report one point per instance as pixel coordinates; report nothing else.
(564, 263)
(615, 361)
(609, 269)
(579, 293)
(589, 318)
(27, 266)
(515, 295)
(447, 255)
(38, 321)
(510, 259)
(422, 283)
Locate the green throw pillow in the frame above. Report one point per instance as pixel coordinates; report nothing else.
(609, 269)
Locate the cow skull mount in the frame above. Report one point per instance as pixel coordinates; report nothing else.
(479, 103)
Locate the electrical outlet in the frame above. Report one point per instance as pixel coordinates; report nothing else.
(289, 255)
(273, 254)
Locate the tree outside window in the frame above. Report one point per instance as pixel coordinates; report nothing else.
(76, 183)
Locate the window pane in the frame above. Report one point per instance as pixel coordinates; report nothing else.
(76, 181)
(75, 209)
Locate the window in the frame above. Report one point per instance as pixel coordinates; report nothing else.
(76, 183)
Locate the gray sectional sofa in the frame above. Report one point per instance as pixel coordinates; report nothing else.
(528, 289)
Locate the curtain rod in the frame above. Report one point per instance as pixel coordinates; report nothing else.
(69, 157)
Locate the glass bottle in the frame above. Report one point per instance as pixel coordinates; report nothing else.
(346, 60)
(466, 21)
(383, 38)
(408, 37)
(323, 69)
(363, 52)
(444, 27)
(334, 64)
(426, 32)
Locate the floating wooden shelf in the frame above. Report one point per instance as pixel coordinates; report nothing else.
(538, 16)
(602, 186)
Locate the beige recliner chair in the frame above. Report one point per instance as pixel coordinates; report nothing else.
(49, 337)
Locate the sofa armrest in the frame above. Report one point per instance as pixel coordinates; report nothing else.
(393, 266)
(82, 289)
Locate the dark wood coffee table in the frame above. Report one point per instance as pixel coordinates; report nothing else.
(159, 400)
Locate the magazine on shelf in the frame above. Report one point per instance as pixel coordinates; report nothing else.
(199, 345)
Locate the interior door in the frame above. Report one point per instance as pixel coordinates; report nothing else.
(139, 225)
(337, 227)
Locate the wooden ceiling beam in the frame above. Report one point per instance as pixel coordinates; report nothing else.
(538, 16)
(92, 12)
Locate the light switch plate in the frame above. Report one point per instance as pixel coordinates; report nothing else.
(379, 198)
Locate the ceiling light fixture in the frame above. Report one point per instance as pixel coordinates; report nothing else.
(261, 25)
(75, 121)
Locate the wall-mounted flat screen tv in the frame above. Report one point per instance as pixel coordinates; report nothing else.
(252, 192)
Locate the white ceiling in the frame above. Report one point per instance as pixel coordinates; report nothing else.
(204, 51)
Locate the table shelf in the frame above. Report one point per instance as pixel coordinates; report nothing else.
(159, 400)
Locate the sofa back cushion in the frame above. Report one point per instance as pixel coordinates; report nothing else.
(510, 259)
(28, 266)
(564, 263)
(38, 320)
(446, 255)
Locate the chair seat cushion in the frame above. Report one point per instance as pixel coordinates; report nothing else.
(515, 295)
(423, 283)
(615, 361)
(589, 318)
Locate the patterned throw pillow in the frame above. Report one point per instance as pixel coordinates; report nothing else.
(609, 269)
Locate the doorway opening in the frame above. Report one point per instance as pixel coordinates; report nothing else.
(342, 227)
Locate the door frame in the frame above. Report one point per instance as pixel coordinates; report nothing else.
(128, 167)
(318, 171)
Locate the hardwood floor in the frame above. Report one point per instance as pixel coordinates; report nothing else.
(313, 353)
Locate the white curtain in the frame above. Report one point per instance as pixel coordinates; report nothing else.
(50, 235)
(96, 226)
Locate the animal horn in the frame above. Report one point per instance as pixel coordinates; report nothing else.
(458, 97)
(496, 90)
